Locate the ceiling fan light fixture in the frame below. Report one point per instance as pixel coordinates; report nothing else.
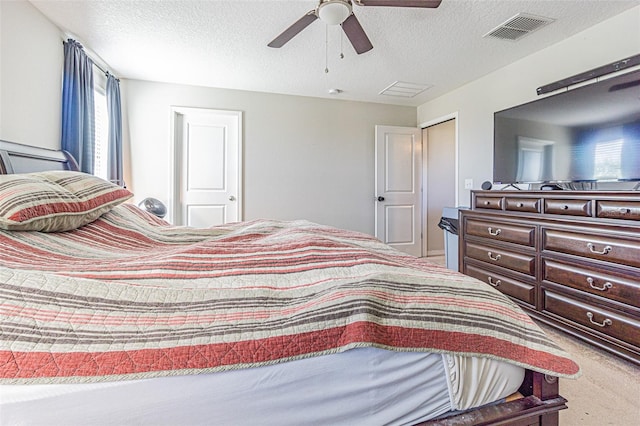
(334, 12)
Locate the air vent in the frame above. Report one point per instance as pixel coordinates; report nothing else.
(404, 89)
(518, 26)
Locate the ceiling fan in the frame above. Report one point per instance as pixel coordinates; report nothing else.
(335, 12)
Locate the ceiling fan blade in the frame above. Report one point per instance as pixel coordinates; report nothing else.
(356, 34)
(294, 29)
(399, 3)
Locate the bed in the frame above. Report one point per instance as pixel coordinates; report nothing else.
(112, 316)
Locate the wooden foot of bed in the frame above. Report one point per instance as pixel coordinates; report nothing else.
(539, 406)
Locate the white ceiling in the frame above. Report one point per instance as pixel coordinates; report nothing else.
(223, 44)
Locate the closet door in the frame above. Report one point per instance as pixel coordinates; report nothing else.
(439, 160)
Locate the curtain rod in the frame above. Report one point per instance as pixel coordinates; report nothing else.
(107, 72)
(91, 56)
(98, 66)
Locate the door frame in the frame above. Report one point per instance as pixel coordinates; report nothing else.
(174, 155)
(423, 126)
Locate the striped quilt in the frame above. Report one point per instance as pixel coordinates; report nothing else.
(129, 296)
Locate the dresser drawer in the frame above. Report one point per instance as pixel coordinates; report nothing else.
(571, 258)
(518, 234)
(502, 257)
(621, 288)
(617, 325)
(611, 249)
(487, 202)
(568, 207)
(618, 209)
(529, 205)
(516, 289)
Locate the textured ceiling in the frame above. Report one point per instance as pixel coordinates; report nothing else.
(223, 44)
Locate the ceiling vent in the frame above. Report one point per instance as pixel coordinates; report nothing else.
(518, 26)
(404, 89)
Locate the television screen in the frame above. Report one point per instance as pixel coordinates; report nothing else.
(591, 133)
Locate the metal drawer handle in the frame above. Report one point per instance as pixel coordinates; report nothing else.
(486, 203)
(495, 284)
(565, 207)
(606, 286)
(605, 250)
(520, 205)
(494, 233)
(624, 210)
(604, 323)
(496, 258)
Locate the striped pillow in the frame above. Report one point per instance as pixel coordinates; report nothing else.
(55, 201)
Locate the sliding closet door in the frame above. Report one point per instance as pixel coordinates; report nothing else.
(439, 148)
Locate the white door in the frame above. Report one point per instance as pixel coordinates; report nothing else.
(398, 171)
(207, 164)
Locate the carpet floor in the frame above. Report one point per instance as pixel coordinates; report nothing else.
(607, 393)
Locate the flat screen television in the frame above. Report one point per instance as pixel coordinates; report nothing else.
(587, 134)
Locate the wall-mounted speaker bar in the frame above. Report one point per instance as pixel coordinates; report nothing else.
(588, 75)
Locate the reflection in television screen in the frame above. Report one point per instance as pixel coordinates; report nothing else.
(591, 133)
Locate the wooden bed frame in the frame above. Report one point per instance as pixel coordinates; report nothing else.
(539, 406)
(540, 402)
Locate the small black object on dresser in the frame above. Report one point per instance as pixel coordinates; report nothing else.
(571, 259)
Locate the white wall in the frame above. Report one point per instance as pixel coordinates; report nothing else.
(295, 164)
(31, 64)
(304, 158)
(610, 41)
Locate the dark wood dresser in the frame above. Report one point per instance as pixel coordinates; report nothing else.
(570, 258)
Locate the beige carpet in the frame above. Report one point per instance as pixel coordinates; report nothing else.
(607, 393)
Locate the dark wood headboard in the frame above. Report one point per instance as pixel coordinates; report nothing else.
(18, 158)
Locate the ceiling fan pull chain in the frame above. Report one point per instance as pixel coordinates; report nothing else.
(341, 46)
(326, 49)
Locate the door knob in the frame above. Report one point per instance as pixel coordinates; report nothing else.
(232, 198)
(380, 198)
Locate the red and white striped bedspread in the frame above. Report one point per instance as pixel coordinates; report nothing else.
(129, 296)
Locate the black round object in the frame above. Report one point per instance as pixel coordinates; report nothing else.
(486, 185)
(551, 187)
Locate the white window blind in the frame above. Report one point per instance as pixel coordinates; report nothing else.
(101, 133)
(608, 159)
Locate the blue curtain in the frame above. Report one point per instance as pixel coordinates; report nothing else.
(114, 163)
(78, 116)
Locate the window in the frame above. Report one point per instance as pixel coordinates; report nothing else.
(608, 159)
(101, 129)
(534, 157)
